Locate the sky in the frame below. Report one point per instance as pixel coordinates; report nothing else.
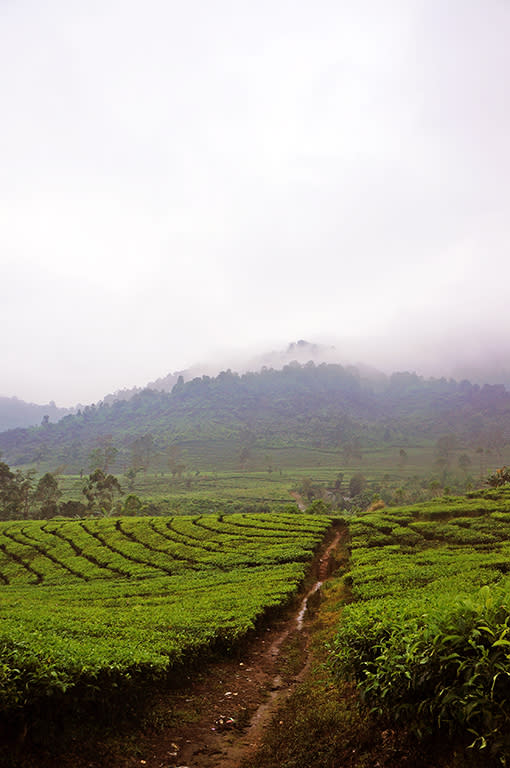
(182, 180)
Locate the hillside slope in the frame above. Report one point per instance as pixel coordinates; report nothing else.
(325, 406)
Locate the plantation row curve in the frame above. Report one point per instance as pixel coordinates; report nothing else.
(92, 610)
(427, 634)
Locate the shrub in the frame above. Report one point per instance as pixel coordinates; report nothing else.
(446, 668)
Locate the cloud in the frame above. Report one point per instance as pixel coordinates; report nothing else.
(183, 178)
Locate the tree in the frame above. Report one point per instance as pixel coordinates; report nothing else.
(244, 456)
(131, 477)
(178, 469)
(247, 444)
(174, 460)
(338, 482)
(100, 490)
(178, 386)
(403, 458)
(499, 477)
(142, 452)
(480, 451)
(319, 507)
(464, 462)
(357, 484)
(9, 493)
(444, 448)
(73, 508)
(496, 440)
(132, 505)
(309, 489)
(399, 495)
(25, 482)
(47, 494)
(103, 456)
(15, 492)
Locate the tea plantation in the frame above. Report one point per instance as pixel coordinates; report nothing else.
(93, 611)
(427, 638)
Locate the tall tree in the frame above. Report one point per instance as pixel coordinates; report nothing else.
(100, 490)
(47, 494)
(103, 455)
(142, 452)
(9, 493)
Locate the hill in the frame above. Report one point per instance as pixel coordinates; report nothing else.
(18, 413)
(296, 352)
(231, 419)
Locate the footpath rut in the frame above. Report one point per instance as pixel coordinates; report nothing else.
(220, 718)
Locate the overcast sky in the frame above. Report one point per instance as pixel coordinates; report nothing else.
(178, 179)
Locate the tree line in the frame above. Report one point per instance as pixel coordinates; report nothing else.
(22, 497)
(325, 406)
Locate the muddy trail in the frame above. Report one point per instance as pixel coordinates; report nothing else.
(219, 720)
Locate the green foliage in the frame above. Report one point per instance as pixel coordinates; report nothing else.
(132, 505)
(428, 636)
(449, 668)
(319, 507)
(98, 606)
(234, 421)
(17, 495)
(357, 484)
(500, 477)
(10, 496)
(47, 494)
(103, 456)
(100, 490)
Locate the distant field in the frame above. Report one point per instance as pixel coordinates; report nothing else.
(220, 456)
(223, 490)
(94, 607)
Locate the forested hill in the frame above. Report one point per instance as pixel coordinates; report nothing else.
(325, 406)
(18, 413)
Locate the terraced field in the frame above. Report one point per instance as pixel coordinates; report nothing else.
(95, 607)
(427, 637)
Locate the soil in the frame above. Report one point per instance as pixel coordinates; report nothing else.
(219, 718)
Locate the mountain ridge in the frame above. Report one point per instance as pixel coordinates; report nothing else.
(325, 406)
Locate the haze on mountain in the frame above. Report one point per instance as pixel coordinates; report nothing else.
(227, 419)
(180, 180)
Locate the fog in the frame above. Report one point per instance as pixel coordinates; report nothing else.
(204, 182)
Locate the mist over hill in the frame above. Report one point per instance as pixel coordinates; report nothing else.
(231, 418)
(483, 365)
(17, 413)
(431, 356)
(300, 351)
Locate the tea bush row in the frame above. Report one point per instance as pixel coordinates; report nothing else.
(91, 608)
(428, 636)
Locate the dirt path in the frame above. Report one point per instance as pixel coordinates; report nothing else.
(220, 719)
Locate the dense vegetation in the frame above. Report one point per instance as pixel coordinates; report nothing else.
(93, 610)
(428, 636)
(233, 420)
